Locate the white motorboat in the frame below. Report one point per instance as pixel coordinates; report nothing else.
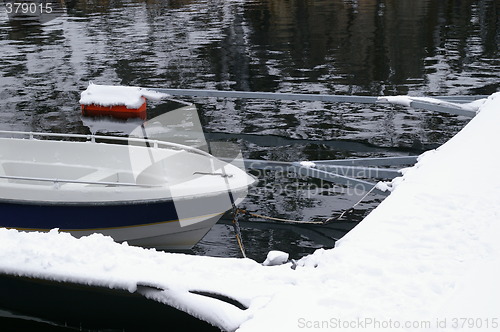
(149, 193)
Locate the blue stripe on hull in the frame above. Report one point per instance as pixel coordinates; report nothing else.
(85, 216)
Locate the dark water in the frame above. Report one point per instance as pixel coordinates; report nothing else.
(360, 47)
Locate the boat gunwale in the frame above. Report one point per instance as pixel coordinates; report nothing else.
(150, 143)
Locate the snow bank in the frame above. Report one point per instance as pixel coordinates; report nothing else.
(425, 258)
(413, 259)
(97, 260)
(109, 95)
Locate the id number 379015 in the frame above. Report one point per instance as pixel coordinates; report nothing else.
(28, 8)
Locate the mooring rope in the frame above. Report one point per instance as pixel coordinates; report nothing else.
(237, 231)
(237, 211)
(347, 211)
(351, 209)
(278, 219)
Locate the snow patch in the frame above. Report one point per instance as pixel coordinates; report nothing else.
(109, 95)
(275, 257)
(407, 100)
(384, 186)
(308, 164)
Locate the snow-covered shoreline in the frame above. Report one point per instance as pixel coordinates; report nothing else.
(427, 254)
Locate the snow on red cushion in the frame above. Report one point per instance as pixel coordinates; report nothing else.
(116, 101)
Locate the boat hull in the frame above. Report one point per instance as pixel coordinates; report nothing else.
(148, 193)
(147, 223)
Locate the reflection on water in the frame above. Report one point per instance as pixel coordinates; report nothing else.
(369, 47)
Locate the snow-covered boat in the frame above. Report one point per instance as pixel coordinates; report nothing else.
(148, 193)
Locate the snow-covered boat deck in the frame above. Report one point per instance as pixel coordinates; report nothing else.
(426, 259)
